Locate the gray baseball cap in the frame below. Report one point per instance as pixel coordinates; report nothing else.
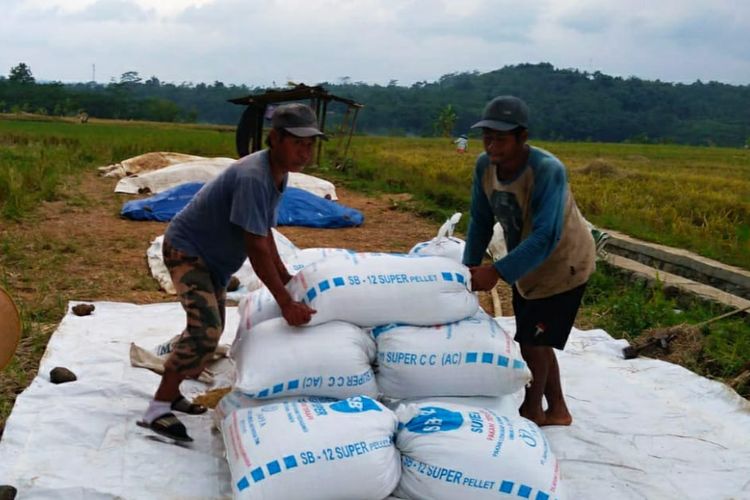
(298, 119)
(504, 113)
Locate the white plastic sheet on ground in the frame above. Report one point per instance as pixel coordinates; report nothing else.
(643, 428)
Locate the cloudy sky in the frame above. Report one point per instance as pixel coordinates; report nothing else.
(262, 42)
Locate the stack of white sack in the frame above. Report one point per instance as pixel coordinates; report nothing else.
(332, 359)
(444, 244)
(340, 450)
(471, 357)
(293, 258)
(372, 289)
(451, 451)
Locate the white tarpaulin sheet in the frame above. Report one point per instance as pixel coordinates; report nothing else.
(642, 428)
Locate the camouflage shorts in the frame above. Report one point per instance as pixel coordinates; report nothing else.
(205, 305)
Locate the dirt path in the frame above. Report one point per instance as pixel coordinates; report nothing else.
(84, 251)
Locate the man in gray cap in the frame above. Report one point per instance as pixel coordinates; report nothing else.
(228, 220)
(551, 252)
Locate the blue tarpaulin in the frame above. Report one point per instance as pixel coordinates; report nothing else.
(297, 208)
(302, 208)
(163, 206)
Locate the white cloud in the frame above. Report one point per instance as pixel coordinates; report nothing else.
(262, 41)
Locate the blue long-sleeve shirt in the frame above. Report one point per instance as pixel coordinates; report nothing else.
(550, 249)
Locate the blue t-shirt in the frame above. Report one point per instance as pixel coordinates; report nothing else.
(550, 249)
(212, 226)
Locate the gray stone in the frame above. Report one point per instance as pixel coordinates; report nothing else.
(61, 375)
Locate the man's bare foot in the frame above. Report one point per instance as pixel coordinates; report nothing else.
(557, 418)
(538, 417)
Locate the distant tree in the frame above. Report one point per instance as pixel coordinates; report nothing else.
(130, 77)
(21, 74)
(153, 82)
(445, 121)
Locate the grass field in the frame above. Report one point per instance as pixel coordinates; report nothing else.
(695, 198)
(688, 197)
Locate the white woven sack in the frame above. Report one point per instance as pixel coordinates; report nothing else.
(502, 405)
(306, 256)
(316, 451)
(454, 451)
(259, 305)
(235, 400)
(471, 357)
(332, 359)
(370, 289)
(256, 307)
(444, 244)
(293, 258)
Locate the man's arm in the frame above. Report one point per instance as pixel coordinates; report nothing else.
(263, 257)
(481, 224)
(277, 262)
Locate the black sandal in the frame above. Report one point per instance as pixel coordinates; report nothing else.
(182, 405)
(168, 426)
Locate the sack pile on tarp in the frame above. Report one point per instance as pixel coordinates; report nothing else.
(467, 354)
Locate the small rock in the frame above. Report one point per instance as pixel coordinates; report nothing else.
(83, 309)
(7, 492)
(234, 284)
(60, 375)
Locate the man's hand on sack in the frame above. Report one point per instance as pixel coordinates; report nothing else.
(483, 278)
(297, 313)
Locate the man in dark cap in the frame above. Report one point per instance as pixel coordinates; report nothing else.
(228, 220)
(551, 252)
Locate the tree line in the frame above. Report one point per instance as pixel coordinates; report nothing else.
(566, 104)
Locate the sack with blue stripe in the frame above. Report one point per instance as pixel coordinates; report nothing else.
(293, 258)
(236, 400)
(370, 289)
(444, 244)
(332, 359)
(341, 450)
(451, 451)
(471, 357)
